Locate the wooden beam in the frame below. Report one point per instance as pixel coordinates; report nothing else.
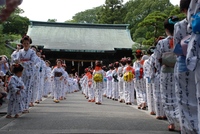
(77, 60)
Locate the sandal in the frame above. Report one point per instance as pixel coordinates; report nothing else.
(159, 117)
(152, 113)
(37, 102)
(16, 116)
(171, 127)
(144, 108)
(31, 105)
(56, 101)
(8, 116)
(25, 111)
(164, 117)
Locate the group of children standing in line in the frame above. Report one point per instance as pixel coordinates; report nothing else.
(166, 80)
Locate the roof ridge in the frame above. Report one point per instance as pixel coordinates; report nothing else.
(61, 24)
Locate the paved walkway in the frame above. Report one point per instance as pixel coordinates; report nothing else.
(76, 115)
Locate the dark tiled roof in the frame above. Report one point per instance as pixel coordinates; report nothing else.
(80, 37)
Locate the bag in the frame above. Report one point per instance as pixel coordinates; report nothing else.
(57, 74)
(128, 76)
(178, 49)
(109, 78)
(98, 77)
(166, 69)
(184, 44)
(181, 60)
(115, 76)
(169, 59)
(138, 73)
(196, 23)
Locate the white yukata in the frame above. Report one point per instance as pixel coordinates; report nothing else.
(185, 89)
(28, 59)
(70, 81)
(42, 77)
(89, 87)
(14, 56)
(66, 87)
(128, 86)
(120, 83)
(139, 83)
(81, 83)
(193, 54)
(15, 104)
(63, 91)
(167, 84)
(155, 77)
(58, 83)
(104, 83)
(36, 80)
(47, 81)
(115, 88)
(109, 84)
(76, 84)
(149, 84)
(98, 86)
(84, 86)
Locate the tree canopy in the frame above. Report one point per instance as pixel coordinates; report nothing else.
(52, 20)
(12, 29)
(145, 17)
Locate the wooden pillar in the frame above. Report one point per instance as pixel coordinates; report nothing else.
(78, 68)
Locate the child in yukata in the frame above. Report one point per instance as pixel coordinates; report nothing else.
(15, 92)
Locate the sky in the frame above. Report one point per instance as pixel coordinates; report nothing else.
(62, 10)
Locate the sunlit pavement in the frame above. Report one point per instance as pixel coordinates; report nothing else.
(76, 115)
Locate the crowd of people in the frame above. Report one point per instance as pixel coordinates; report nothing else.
(165, 81)
(27, 78)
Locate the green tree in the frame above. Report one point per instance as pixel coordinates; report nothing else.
(16, 24)
(12, 29)
(176, 12)
(52, 20)
(138, 10)
(87, 16)
(111, 12)
(154, 22)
